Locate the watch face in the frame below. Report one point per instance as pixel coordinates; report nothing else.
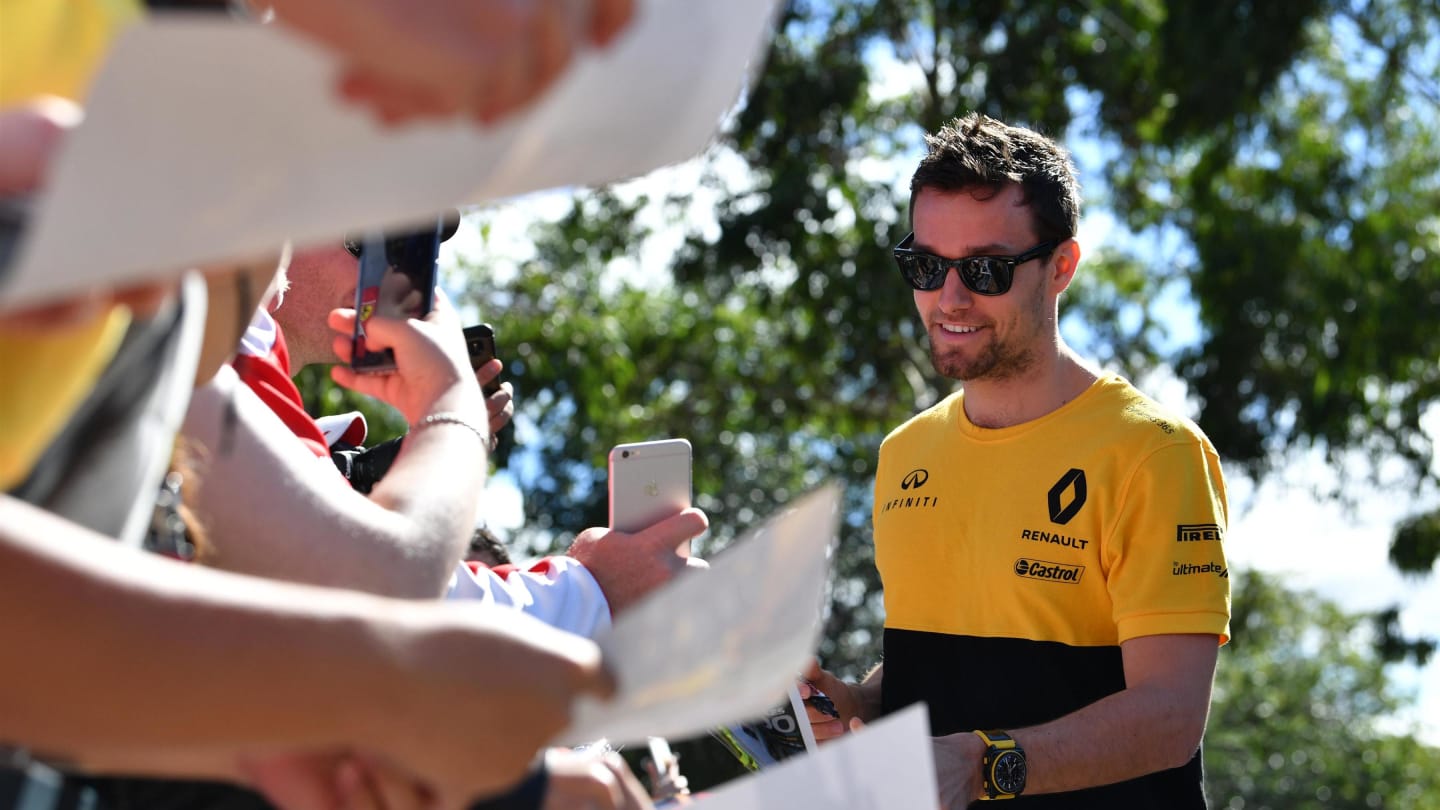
(1009, 772)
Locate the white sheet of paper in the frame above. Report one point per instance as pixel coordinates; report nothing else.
(887, 765)
(209, 139)
(720, 645)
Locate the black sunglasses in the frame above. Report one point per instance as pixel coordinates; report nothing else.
(982, 275)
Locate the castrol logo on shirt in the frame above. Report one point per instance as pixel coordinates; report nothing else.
(1049, 571)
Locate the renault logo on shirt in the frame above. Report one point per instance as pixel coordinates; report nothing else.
(1067, 496)
(915, 479)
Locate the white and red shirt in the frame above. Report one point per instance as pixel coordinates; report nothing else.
(556, 590)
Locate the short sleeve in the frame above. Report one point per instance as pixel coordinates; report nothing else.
(1166, 553)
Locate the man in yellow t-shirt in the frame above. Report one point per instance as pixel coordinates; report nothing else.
(1050, 540)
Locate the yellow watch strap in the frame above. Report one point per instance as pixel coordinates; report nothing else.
(999, 739)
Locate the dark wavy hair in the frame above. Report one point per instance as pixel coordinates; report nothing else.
(982, 156)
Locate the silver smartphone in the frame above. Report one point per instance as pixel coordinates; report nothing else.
(649, 481)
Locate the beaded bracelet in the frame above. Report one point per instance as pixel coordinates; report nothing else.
(451, 418)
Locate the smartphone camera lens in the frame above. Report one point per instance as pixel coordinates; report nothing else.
(624, 453)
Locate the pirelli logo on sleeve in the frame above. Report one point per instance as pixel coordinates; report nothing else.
(1198, 533)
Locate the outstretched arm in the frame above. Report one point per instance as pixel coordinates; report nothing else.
(1154, 724)
(131, 661)
(272, 508)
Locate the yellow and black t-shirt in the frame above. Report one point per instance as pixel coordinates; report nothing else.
(1015, 561)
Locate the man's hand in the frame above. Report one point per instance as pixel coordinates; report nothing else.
(479, 58)
(339, 780)
(957, 769)
(597, 781)
(846, 698)
(501, 404)
(478, 671)
(432, 370)
(628, 566)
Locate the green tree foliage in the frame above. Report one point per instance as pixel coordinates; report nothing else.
(1294, 718)
(322, 396)
(1314, 222)
(595, 362)
(1277, 164)
(1276, 160)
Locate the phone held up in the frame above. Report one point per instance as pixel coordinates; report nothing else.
(396, 280)
(649, 481)
(480, 343)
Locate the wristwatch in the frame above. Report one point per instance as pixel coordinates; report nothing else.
(1003, 768)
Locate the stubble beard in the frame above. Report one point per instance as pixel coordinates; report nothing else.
(996, 361)
(999, 359)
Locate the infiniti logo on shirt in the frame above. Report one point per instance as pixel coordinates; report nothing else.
(915, 479)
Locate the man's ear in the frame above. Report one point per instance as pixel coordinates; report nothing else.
(1063, 263)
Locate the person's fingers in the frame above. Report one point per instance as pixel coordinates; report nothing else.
(501, 409)
(412, 303)
(821, 680)
(508, 87)
(342, 347)
(608, 18)
(380, 332)
(390, 789)
(553, 47)
(523, 71)
(501, 402)
(629, 793)
(602, 782)
(666, 537)
(497, 404)
(344, 376)
(298, 780)
(824, 726)
(488, 371)
(341, 320)
(674, 530)
(856, 724)
(353, 790)
(393, 102)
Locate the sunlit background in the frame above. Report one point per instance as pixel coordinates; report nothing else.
(1261, 229)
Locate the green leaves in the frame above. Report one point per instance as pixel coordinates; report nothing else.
(1273, 161)
(1271, 168)
(1294, 723)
